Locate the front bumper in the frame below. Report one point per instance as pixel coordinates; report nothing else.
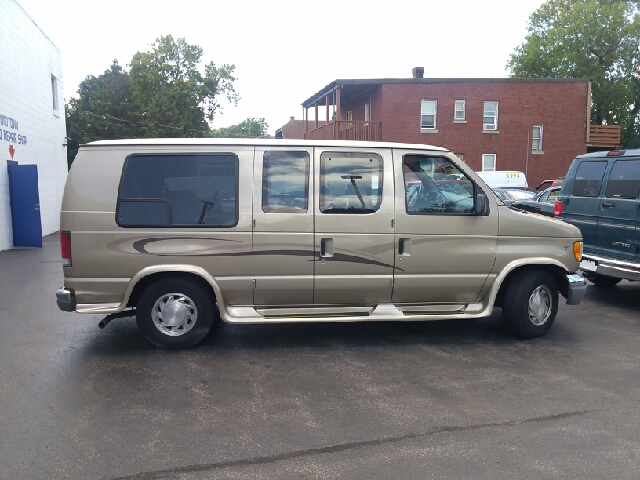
(610, 267)
(576, 290)
(66, 300)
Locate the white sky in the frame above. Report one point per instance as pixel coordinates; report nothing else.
(285, 51)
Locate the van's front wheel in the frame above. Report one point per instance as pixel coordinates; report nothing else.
(531, 303)
(175, 313)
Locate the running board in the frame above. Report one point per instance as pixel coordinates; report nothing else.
(382, 312)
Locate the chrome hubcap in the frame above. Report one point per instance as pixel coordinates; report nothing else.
(540, 303)
(174, 314)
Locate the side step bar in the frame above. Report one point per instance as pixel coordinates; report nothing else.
(382, 312)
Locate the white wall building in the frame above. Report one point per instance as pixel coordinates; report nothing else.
(32, 121)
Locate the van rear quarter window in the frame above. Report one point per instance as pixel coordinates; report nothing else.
(179, 190)
(624, 180)
(588, 180)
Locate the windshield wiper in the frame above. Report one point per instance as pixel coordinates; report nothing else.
(353, 179)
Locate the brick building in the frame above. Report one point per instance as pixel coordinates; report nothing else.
(533, 125)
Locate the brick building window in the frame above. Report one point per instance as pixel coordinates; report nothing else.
(536, 142)
(460, 111)
(54, 92)
(489, 162)
(490, 117)
(428, 114)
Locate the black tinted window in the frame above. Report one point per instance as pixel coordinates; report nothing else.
(179, 190)
(624, 180)
(588, 179)
(285, 180)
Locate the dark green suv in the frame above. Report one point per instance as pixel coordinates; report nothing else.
(600, 197)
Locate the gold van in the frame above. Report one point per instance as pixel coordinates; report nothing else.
(271, 231)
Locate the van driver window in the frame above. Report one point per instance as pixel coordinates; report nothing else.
(435, 185)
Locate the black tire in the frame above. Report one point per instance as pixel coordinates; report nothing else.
(603, 281)
(188, 308)
(530, 287)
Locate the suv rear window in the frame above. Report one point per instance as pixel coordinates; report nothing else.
(178, 191)
(588, 179)
(624, 180)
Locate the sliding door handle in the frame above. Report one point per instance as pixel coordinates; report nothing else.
(326, 247)
(404, 247)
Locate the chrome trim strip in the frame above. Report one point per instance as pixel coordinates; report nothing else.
(98, 308)
(313, 311)
(612, 262)
(430, 309)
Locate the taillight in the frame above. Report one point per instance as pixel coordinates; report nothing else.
(65, 248)
(557, 210)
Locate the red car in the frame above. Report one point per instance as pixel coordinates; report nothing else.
(550, 183)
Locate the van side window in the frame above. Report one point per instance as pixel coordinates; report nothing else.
(624, 180)
(285, 182)
(350, 182)
(436, 185)
(178, 191)
(588, 179)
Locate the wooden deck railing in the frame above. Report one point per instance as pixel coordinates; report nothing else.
(604, 136)
(347, 130)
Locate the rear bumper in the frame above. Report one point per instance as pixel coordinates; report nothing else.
(610, 267)
(576, 290)
(66, 300)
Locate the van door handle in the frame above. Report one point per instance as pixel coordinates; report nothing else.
(326, 247)
(404, 247)
(608, 205)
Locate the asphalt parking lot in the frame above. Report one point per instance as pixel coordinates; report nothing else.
(327, 401)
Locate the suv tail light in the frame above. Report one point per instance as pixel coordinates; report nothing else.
(557, 210)
(65, 248)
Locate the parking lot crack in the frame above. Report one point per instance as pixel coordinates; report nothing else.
(159, 474)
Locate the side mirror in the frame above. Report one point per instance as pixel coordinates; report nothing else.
(482, 205)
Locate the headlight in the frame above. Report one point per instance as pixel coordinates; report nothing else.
(577, 250)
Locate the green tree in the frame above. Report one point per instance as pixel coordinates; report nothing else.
(106, 108)
(164, 94)
(177, 97)
(251, 127)
(597, 39)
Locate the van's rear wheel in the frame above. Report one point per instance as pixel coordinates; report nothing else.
(175, 312)
(530, 303)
